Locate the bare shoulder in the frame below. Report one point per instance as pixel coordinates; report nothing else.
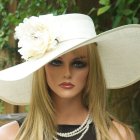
(9, 131)
(125, 132)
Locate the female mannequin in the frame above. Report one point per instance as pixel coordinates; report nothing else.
(68, 100)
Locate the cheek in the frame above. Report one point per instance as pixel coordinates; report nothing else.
(51, 76)
(81, 77)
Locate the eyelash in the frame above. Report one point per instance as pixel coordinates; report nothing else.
(55, 63)
(76, 63)
(79, 64)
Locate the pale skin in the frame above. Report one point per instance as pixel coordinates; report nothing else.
(66, 76)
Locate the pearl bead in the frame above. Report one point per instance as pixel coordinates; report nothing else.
(83, 128)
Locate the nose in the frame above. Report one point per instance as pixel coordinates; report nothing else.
(67, 72)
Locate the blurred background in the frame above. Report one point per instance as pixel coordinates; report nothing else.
(107, 14)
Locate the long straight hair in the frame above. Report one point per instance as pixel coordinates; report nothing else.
(40, 123)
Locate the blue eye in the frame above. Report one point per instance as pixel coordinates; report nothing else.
(79, 64)
(56, 62)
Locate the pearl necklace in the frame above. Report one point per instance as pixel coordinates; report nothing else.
(83, 128)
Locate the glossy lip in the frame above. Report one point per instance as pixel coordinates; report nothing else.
(66, 85)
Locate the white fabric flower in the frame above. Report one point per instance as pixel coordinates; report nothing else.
(36, 36)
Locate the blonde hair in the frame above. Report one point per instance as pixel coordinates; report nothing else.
(40, 122)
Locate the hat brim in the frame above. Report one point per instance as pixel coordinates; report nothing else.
(119, 50)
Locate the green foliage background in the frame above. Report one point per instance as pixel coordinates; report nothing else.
(106, 14)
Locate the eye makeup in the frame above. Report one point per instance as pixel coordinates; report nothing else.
(56, 62)
(78, 62)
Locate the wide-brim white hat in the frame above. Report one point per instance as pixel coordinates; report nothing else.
(119, 51)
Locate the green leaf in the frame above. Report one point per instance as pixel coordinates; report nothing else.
(103, 10)
(104, 2)
(116, 21)
(120, 3)
(127, 12)
(129, 21)
(136, 10)
(27, 108)
(130, 1)
(1, 33)
(2, 44)
(135, 20)
(91, 10)
(1, 7)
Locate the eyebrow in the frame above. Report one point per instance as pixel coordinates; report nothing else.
(79, 58)
(76, 58)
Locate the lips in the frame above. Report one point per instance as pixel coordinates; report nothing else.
(66, 85)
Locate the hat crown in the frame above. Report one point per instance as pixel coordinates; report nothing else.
(75, 26)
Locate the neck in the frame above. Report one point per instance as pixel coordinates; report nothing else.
(70, 111)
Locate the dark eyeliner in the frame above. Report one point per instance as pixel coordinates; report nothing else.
(56, 62)
(79, 64)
